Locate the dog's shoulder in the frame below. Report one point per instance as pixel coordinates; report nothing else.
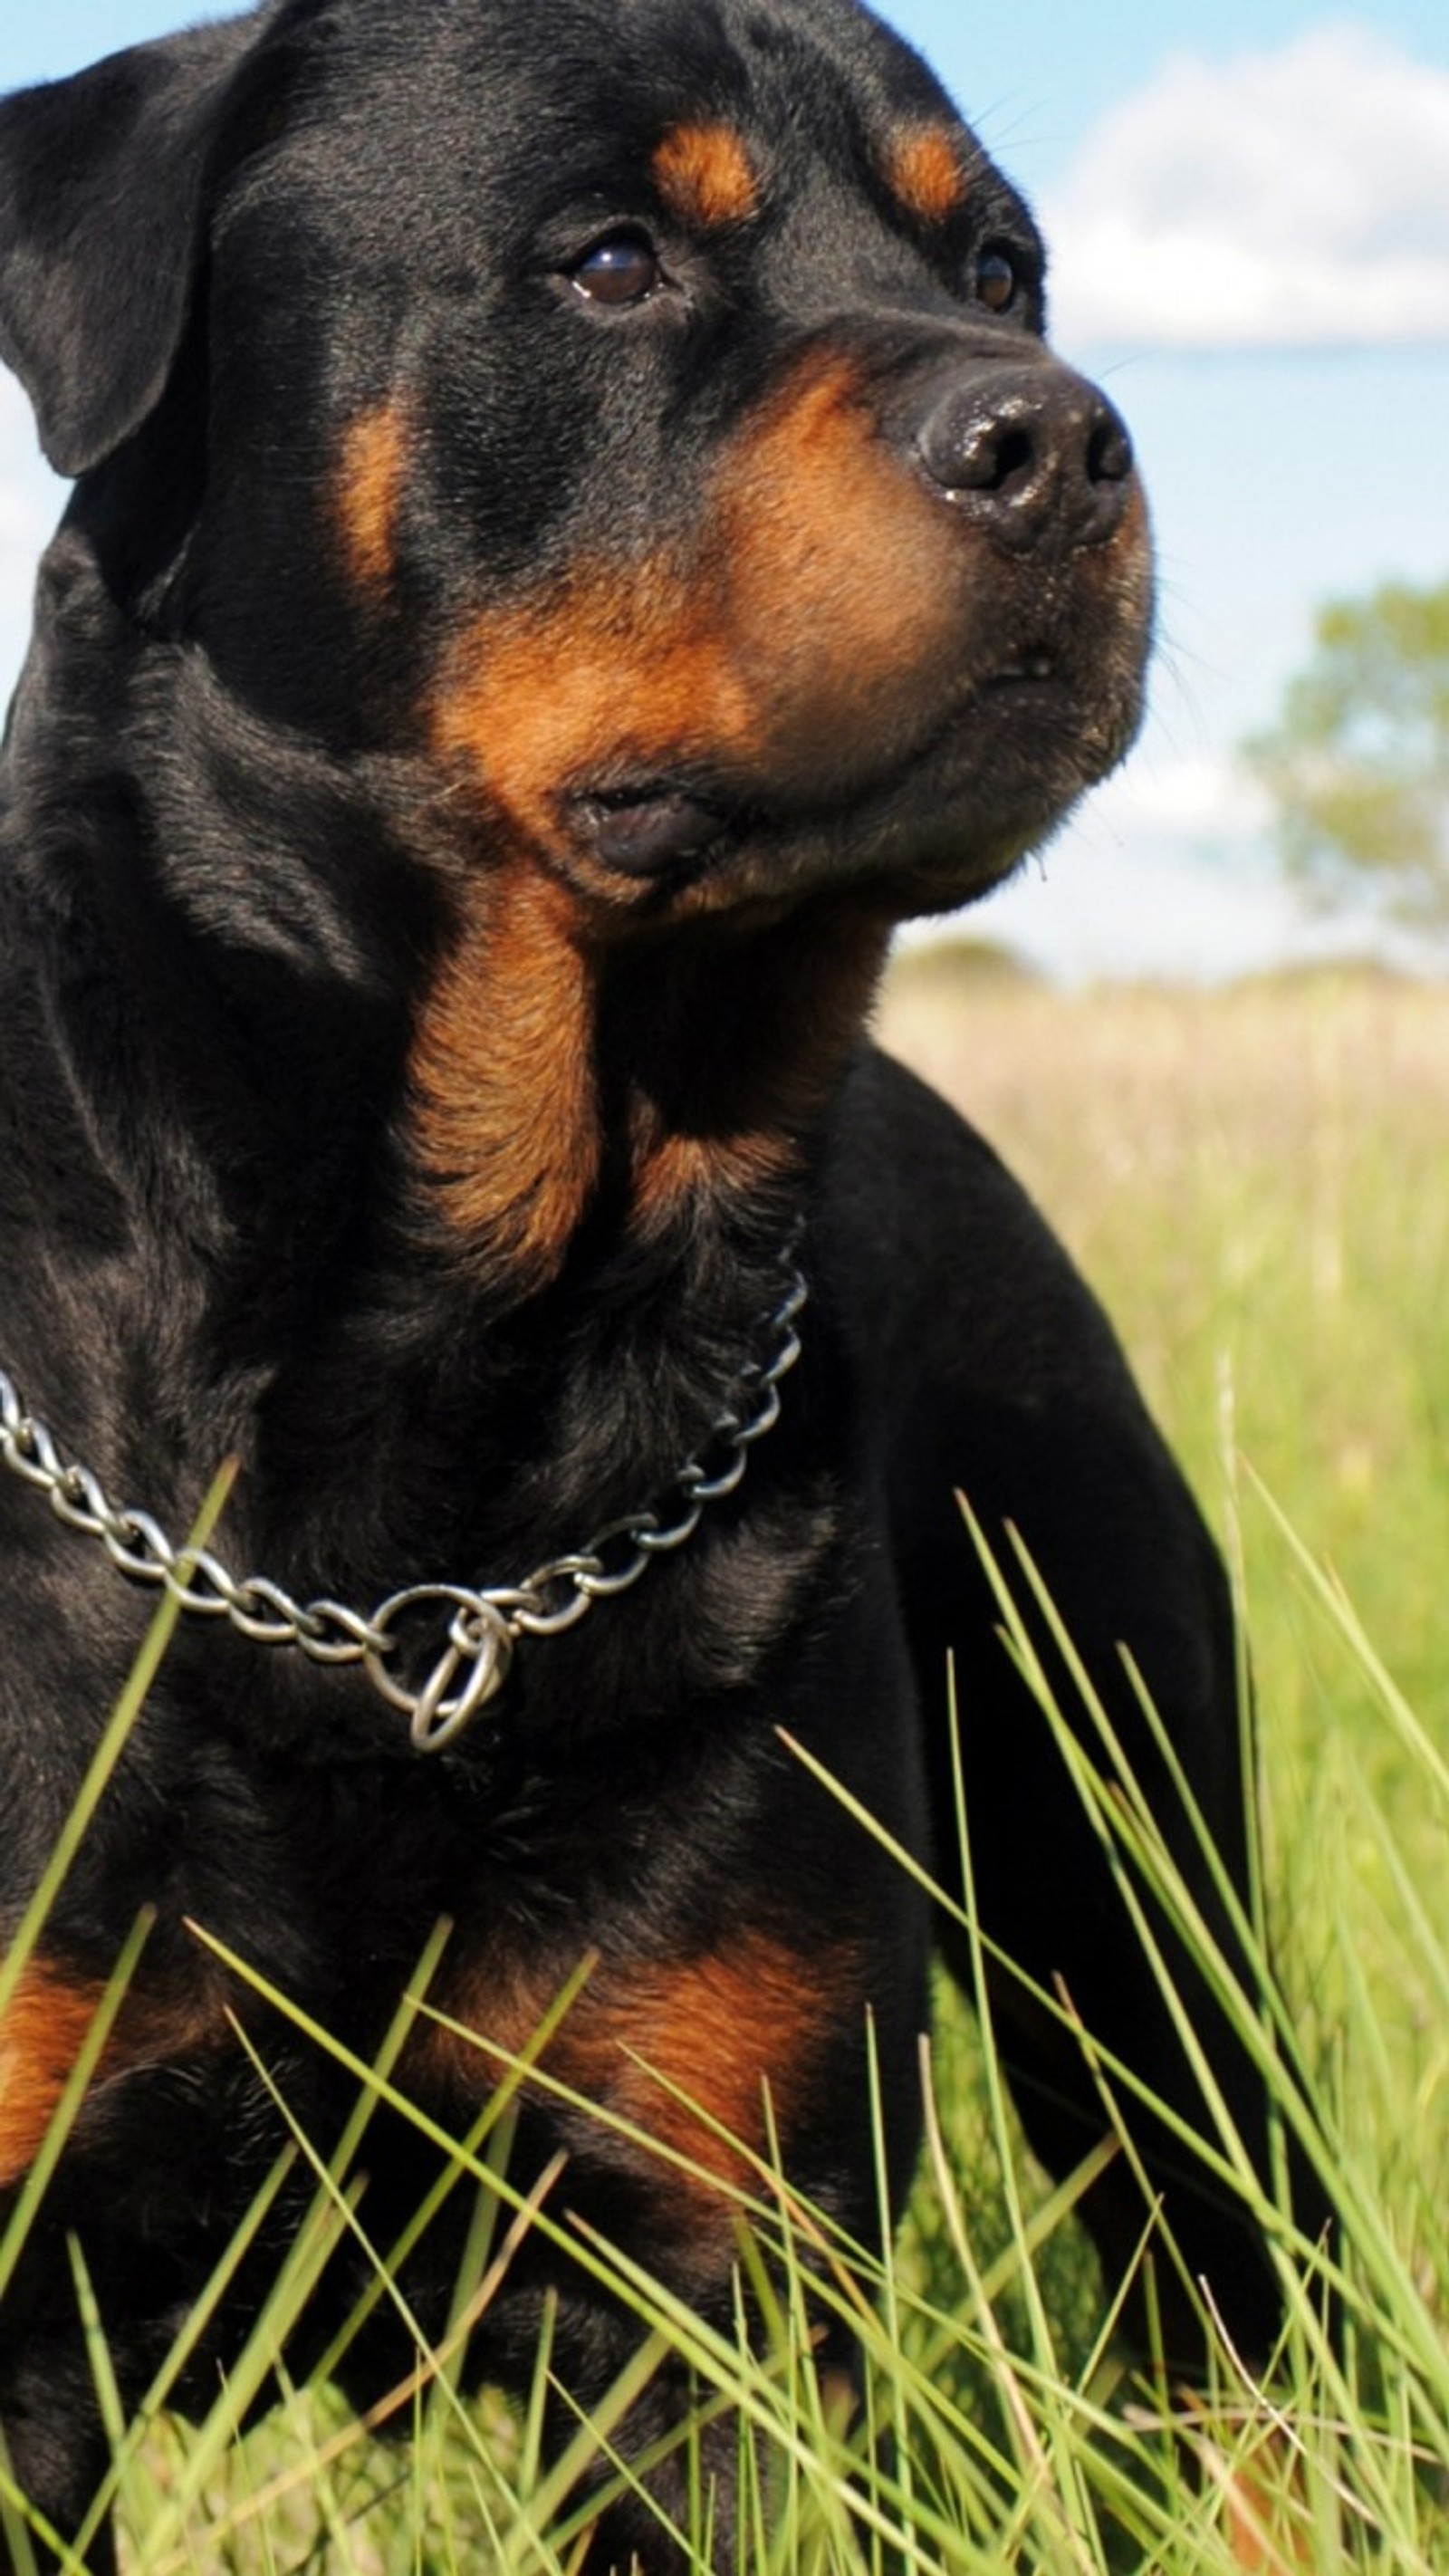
(939, 1255)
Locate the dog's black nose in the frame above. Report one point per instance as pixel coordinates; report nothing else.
(1030, 453)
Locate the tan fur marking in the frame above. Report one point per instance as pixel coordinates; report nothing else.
(680, 1167)
(705, 176)
(843, 589)
(369, 495)
(686, 2050)
(606, 670)
(40, 2039)
(42, 2035)
(682, 2051)
(1268, 2518)
(790, 637)
(924, 171)
(506, 1117)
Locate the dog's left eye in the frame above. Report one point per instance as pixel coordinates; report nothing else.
(623, 268)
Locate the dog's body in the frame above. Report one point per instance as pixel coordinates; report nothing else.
(576, 532)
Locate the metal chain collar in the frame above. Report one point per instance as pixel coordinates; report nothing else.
(484, 1626)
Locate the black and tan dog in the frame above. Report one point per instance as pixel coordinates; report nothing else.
(576, 533)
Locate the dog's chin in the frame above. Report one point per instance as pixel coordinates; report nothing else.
(940, 828)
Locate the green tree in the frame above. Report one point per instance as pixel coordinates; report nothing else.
(1358, 764)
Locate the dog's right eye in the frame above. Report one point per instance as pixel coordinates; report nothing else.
(997, 280)
(622, 268)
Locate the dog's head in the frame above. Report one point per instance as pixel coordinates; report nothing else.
(635, 410)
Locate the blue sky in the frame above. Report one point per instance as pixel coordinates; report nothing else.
(1248, 205)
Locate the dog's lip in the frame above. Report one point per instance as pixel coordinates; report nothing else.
(655, 828)
(668, 829)
(650, 827)
(643, 822)
(1027, 670)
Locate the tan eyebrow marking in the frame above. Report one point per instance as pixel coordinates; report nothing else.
(705, 175)
(925, 172)
(370, 489)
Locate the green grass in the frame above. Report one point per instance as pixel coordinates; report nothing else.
(1254, 1183)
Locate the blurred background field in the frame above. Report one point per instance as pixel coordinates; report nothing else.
(1256, 1181)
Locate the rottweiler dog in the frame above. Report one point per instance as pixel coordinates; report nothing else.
(576, 533)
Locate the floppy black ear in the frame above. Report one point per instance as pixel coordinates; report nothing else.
(103, 184)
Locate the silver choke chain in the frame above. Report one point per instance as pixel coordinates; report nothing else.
(484, 1626)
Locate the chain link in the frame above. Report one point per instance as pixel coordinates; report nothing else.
(484, 1627)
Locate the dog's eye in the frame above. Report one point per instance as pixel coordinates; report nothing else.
(996, 278)
(623, 268)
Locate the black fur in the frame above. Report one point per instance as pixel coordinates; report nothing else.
(304, 303)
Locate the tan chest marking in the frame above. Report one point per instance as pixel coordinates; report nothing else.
(702, 2056)
(503, 1079)
(43, 2034)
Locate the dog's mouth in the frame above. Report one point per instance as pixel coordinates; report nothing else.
(1012, 752)
(1032, 667)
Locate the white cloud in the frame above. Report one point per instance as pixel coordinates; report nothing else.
(1298, 198)
(1197, 801)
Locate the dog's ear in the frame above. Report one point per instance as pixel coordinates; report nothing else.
(104, 182)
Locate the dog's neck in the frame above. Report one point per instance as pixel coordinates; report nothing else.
(556, 1084)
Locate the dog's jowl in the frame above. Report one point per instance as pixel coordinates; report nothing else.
(576, 532)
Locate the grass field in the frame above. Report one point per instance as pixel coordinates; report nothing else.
(1255, 1181)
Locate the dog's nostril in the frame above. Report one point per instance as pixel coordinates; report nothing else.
(979, 449)
(1011, 454)
(1109, 452)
